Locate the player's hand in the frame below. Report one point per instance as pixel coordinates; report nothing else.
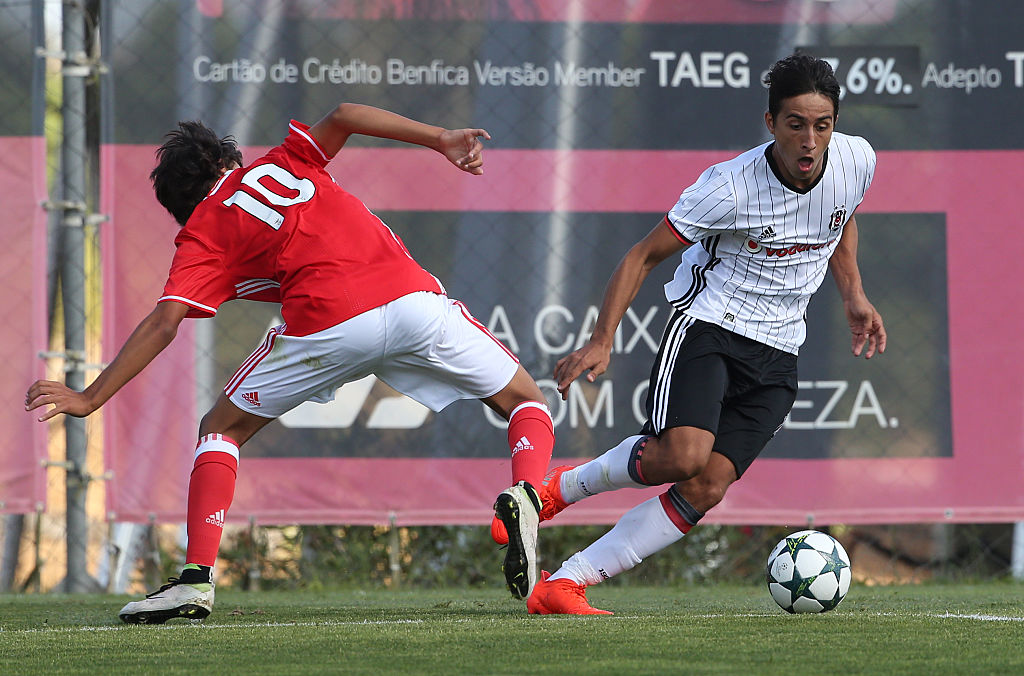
(592, 357)
(62, 397)
(464, 149)
(866, 328)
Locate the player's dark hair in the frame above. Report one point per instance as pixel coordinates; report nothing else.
(800, 74)
(189, 162)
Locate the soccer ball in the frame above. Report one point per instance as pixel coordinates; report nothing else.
(808, 572)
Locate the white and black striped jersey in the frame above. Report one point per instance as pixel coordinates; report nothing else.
(760, 245)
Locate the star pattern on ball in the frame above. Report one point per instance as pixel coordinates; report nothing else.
(794, 545)
(833, 561)
(798, 584)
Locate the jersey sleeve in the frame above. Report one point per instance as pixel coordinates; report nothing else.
(705, 208)
(865, 158)
(299, 144)
(870, 159)
(197, 278)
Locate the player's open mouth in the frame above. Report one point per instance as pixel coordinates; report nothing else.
(805, 163)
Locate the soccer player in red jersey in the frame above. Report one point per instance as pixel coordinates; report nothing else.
(281, 230)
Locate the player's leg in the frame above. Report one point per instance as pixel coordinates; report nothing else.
(645, 529)
(210, 491)
(212, 483)
(684, 402)
(640, 461)
(261, 390)
(531, 434)
(759, 389)
(440, 353)
(747, 423)
(653, 524)
(531, 439)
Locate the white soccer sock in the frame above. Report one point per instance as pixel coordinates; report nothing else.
(640, 532)
(607, 472)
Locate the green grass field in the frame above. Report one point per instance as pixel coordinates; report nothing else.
(927, 629)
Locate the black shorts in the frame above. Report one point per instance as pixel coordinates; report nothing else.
(707, 377)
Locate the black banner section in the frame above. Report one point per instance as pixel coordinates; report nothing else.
(555, 84)
(846, 407)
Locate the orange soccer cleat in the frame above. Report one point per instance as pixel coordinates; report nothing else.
(560, 597)
(550, 499)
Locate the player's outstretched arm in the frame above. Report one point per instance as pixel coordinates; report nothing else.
(866, 326)
(149, 338)
(462, 147)
(622, 288)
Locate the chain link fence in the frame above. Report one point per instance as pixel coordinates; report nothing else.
(572, 93)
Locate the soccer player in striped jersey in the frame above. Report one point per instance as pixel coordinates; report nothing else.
(757, 233)
(353, 300)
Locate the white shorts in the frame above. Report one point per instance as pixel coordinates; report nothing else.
(425, 345)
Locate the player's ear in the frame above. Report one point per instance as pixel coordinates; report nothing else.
(769, 122)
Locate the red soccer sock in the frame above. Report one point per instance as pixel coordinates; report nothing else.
(210, 491)
(531, 438)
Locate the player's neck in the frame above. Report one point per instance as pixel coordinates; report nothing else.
(786, 178)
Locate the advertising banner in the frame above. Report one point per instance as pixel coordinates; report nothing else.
(22, 257)
(599, 116)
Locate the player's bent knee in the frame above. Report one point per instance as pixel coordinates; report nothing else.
(688, 466)
(524, 387)
(710, 495)
(521, 389)
(227, 419)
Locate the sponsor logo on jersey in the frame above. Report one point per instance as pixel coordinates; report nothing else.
(252, 397)
(753, 246)
(767, 233)
(838, 218)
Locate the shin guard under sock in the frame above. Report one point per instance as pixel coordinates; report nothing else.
(531, 439)
(614, 469)
(210, 491)
(647, 528)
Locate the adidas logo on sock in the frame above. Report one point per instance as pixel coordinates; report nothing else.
(217, 518)
(522, 445)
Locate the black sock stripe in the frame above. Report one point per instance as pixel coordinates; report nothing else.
(633, 465)
(682, 505)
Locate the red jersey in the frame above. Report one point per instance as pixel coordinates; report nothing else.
(281, 230)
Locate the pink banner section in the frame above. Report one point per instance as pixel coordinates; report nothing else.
(23, 315)
(152, 426)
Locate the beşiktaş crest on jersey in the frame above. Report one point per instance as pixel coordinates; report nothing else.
(838, 218)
